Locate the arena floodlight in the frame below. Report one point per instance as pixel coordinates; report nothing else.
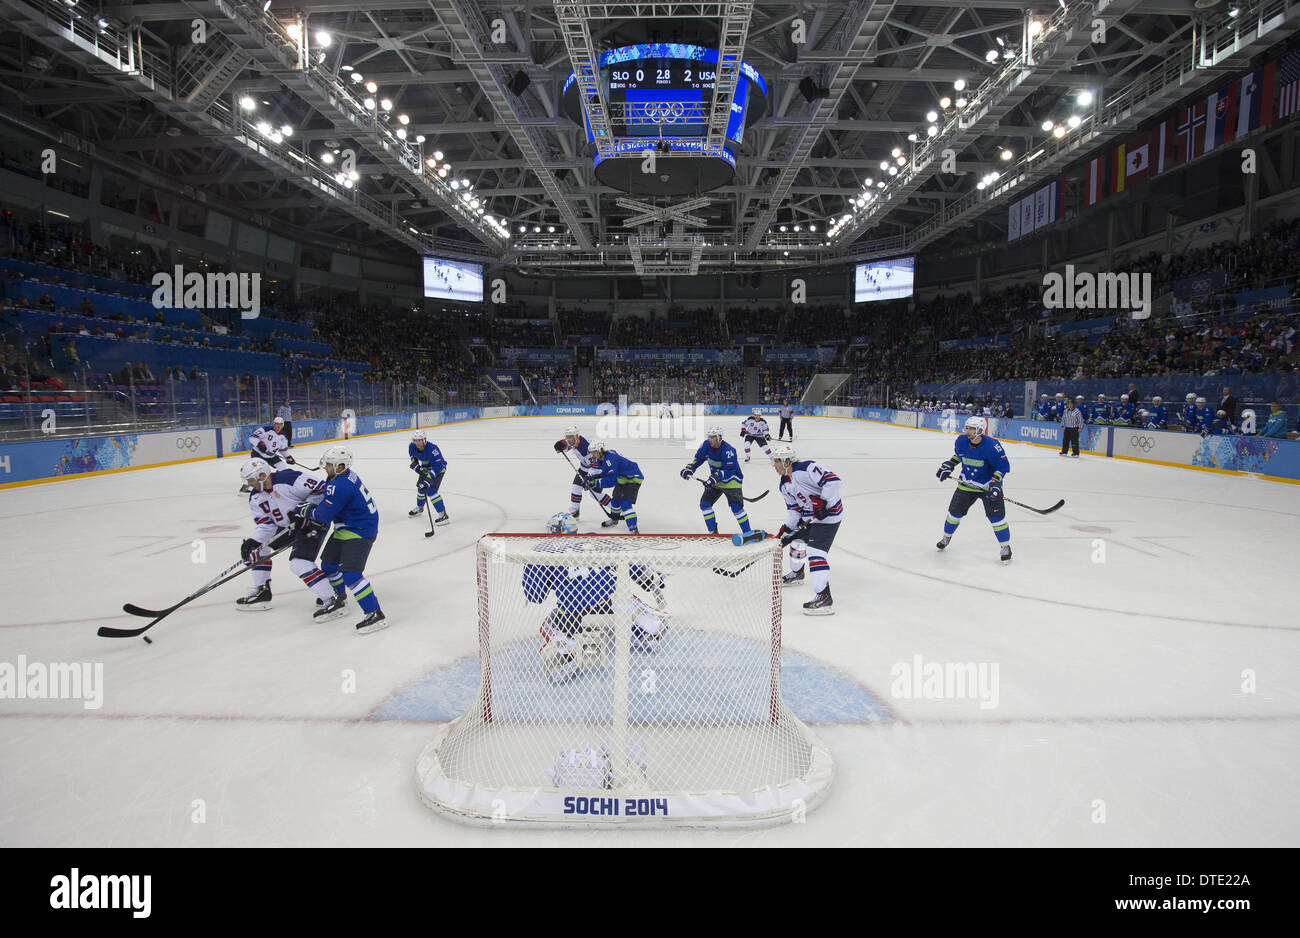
(931, 116)
(324, 39)
(1084, 98)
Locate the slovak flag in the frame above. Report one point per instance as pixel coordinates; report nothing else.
(1255, 108)
(1221, 117)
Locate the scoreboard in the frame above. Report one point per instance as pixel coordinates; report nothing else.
(665, 90)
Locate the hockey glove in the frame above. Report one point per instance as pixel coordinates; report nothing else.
(289, 459)
(687, 472)
(794, 535)
(995, 489)
(945, 469)
(561, 446)
(250, 551)
(819, 508)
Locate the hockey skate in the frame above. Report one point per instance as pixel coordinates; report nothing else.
(1006, 553)
(442, 519)
(415, 511)
(373, 622)
(943, 541)
(610, 522)
(820, 605)
(257, 600)
(747, 457)
(793, 579)
(330, 610)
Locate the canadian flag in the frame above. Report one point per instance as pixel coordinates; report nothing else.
(1137, 159)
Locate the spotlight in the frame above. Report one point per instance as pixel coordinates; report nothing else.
(455, 183)
(1035, 28)
(912, 137)
(945, 102)
(932, 130)
(537, 229)
(1006, 155)
(981, 184)
(884, 164)
(901, 161)
(442, 173)
(464, 182)
(401, 133)
(419, 138)
(959, 85)
(550, 229)
(1084, 98)
(931, 116)
(1058, 132)
(386, 104)
(369, 104)
(437, 155)
(812, 227)
(895, 152)
(327, 158)
(523, 228)
(294, 31)
(323, 39)
(1074, 121)
(431, 163)
(893, 170)
(403, 119)
(286, 130)
(357, 78)
(798, 227)
(1047, 127)
(782, 228)
(372, 87)
(264, 128)
(247, 103)
(991, 56)
(961, 102)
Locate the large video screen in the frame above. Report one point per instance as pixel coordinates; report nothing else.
(453, 280)
(883, 280)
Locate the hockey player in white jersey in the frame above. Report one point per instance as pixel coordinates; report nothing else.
(813, 510)
(275, 495)
(269, 444)
(587, 477)
(755, 430)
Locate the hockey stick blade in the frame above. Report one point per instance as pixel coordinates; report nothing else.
(722, 571)
(756, 498)
(135, 610)
(1040, 511)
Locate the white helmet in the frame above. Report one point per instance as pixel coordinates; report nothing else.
(598, 446)
(1191, 396)
(1044, 397)
(1200, 400)
(418, 435)
(571, 431)
(1059, 394)
(254, 469)
(1101, 397)
(561, 523)
(337, 456)
(1157, 399)
(974, 423)
(715, 430)
(782, 452)
(278, 421)
(1123, 397)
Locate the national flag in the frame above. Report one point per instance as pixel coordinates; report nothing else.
(1026, 215)
(1094, 183)
(1013, 221)
(1117, 169)
(1137, 159)
(1288, 84)
(1165, 141)
(1255, 106)
(1191, 133)
(1220, 117)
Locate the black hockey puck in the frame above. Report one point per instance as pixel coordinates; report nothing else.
(147, 639)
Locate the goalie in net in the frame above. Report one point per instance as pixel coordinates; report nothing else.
(654, 698)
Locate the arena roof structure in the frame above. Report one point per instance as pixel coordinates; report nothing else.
(439, 125)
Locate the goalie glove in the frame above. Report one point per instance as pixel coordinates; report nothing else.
(945, 469)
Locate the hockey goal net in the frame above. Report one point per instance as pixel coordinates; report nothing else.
(626, 679)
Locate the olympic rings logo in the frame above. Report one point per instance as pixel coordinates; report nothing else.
(1144, 443)
(190, 443)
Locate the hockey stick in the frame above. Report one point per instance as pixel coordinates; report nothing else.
(1040, 511)
(585, 485)
(756, 498)
(428, 509)
(225, 576)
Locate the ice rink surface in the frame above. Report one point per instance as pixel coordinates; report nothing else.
(1145, 636)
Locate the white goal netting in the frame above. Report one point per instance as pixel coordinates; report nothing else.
(626, 679)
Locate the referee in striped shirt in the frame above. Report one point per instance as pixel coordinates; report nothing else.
(1071, 424)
